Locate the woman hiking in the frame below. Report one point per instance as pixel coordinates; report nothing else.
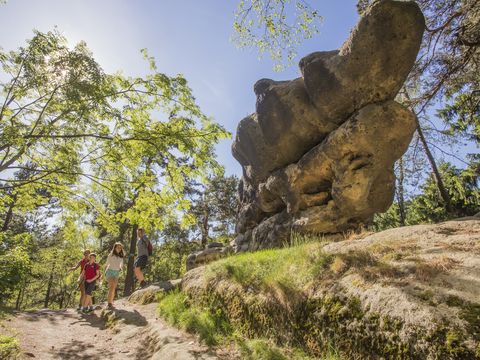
(112, 271)
(91, 272)
(81, 281)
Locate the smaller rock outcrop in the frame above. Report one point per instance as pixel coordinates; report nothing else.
(149, 294)
(212, 251)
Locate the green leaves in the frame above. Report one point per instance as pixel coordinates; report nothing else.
(125, 146)
(268, 27)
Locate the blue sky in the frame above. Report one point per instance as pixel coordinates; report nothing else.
(190, 37)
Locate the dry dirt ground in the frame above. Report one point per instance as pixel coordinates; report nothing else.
(136, 334)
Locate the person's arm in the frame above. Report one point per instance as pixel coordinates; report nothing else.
(107, 263)
(73, 268)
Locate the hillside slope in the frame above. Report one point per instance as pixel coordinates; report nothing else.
(406, 293)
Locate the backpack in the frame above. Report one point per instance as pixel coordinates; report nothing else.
(149, 248)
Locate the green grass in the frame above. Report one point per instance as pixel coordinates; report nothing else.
(9, 348)
(213, 329)
(177, 310)
(289, 269)
(261, 349)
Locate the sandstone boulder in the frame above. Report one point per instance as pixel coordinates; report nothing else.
(318, 153)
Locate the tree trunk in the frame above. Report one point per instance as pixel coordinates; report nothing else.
(49, 288)
(400, 193)
(438, 178)
(205, 227)
(129, 278)
(9, 215)
(18, 303)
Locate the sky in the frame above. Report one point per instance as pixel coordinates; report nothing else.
(189, 37)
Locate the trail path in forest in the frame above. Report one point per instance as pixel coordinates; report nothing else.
(137, 333)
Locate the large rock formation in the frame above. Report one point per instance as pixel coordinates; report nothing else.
(318, 153)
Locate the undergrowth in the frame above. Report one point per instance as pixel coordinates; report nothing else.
(214, 329)
(9, 348)
(176, 309)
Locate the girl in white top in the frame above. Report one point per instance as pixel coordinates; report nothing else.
(112, 270)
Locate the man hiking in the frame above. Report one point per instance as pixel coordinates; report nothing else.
(81, 280)
(144, 250)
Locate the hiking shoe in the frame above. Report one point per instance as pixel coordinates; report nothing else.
(143, 284)
(110, 306)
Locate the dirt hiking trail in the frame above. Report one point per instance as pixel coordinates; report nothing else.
(128, 332)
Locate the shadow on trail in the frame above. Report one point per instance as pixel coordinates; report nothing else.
(77, 349)
(90, 320)
(53, 316)
(127, 317)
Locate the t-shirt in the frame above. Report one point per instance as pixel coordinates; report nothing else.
(82, 263)
(142, 246)
(114, 262)
(91, 270)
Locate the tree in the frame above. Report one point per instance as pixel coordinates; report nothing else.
(63, 114)
(463, 190)
(427, 206)
(112, 152)
(214, 206)
(267, 26)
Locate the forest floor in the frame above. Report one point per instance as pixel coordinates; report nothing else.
(129, 332)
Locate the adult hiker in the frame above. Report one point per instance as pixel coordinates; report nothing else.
(144, 250)
(112, 270)
(91, 272)
(81, 280)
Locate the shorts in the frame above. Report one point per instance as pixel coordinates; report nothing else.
(89, 287)
(112, 274)
(141, 261)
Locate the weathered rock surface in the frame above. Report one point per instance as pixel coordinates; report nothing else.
(318, 153)
(213, 251)
(405, 293)
(149, 294)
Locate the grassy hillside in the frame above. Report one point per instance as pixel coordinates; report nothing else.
(402, 294)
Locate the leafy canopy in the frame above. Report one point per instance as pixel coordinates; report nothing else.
(275, 27)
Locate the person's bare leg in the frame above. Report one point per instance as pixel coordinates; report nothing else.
(115, 284)
(112, 284)
(82, 293)
(86, 300)
(139, 274)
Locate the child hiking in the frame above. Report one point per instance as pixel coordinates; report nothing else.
(144, 250)
(91, 272)
(81, 280)
(112, 271)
